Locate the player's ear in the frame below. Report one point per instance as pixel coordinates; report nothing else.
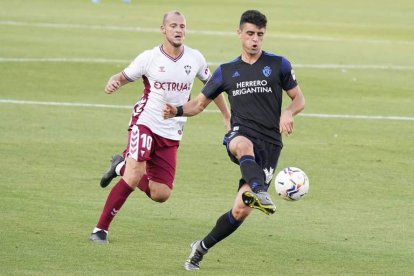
(162, 29)
(239, 33)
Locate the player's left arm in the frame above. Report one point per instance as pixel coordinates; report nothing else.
(297, 105)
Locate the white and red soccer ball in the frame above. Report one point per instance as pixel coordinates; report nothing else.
(292, 183)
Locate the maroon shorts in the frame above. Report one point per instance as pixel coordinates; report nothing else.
(159, 153)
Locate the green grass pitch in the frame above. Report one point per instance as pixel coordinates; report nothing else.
(350, 57)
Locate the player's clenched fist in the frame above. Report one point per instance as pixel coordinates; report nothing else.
(112, 86)
(169, 111)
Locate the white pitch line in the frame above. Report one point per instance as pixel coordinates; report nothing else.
(124, 61)
(11, 101)
(367, 117)
(338, 116)
(199, 32)
(63, 60)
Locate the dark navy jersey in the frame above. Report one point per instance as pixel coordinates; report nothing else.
(254, 93)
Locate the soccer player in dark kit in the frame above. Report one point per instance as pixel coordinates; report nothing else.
(254, 83)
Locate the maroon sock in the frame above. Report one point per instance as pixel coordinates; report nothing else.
(144, 185)
(114, 202)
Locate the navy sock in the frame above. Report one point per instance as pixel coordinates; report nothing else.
(226, 224)
(252, 173)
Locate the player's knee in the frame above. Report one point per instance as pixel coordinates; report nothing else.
(160, 197)
(241, 146)
(160, 193)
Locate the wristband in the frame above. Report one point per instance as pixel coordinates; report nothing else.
(180, 111)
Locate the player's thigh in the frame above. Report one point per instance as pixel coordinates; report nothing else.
(162, 166)
(240, 146)
(161, 173)
(137, 153)
(141, 143)
(134, 171)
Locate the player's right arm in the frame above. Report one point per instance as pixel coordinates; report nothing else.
(210, 91)
(221, 103)
(189, 109)
(135, 70)
(115, 82)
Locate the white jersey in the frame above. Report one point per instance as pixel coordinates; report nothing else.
(166, 80)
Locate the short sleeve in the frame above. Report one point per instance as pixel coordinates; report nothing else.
(214, 86)
(287, 75)
(204, 72)
(138, 67)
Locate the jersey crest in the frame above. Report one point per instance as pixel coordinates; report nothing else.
(267, 71)
(187, 69)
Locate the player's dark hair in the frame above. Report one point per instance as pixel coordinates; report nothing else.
(254, 17)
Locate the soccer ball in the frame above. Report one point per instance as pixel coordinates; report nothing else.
(292, 183)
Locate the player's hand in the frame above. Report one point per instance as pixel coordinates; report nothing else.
(286, 122)
(169, 111)
(112, 86)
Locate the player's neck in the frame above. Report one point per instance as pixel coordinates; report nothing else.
(250, 58)
(171, 50)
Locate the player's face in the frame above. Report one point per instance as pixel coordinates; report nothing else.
(251, 38)
(174, 28)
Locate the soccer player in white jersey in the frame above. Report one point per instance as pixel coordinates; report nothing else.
(168, 72)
